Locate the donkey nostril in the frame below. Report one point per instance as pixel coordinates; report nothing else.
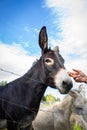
(64, 83)
(67, 85)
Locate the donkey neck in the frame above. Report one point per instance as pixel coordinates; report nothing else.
(36, 73)
(66, 105)
(35, 79)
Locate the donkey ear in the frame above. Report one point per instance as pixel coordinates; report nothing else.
(56, 49)
(43, 39)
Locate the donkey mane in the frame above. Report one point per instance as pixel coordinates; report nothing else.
(66, 103)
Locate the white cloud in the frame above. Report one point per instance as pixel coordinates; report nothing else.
(26, 28)
(72, 17)
(73, 23)
(15, 59)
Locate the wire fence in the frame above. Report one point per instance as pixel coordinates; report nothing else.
(21, 106)
(23, 124)
(10, 72)
(7, 71)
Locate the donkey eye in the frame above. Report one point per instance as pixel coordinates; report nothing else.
(49, 61)
(79, 108)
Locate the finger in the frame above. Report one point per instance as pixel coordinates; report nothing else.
(76, 70)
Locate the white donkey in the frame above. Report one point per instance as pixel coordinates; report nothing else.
(61, 116)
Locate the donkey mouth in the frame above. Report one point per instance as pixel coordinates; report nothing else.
(64, 91)
(65, 88)
(63, 81)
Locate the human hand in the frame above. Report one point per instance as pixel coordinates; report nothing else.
(78, 76)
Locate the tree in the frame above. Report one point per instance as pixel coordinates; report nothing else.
(3, 83)
(50, 98)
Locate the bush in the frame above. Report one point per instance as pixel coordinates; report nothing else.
(77, 127)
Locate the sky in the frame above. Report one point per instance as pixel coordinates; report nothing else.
(20, 23)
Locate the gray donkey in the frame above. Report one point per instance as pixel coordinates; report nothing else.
(63, 115)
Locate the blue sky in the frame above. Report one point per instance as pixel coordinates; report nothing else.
(21, 20)
(20, 23)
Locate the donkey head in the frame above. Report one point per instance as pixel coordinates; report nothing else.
(79, 103)
(53, 64)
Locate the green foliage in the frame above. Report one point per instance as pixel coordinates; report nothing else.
(44, 98)
(77, 127)
(3, 83)
(50, 98)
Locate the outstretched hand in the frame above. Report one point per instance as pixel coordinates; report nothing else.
(78, 76)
